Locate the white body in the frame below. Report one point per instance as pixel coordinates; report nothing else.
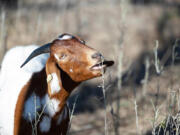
(12, 79)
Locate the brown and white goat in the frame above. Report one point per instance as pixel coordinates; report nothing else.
(39, 99)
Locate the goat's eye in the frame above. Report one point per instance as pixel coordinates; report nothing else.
(83, 42)
(63, 56)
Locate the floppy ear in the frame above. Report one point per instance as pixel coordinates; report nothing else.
(53, 75)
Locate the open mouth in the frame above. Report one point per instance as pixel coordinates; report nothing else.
(102, 65)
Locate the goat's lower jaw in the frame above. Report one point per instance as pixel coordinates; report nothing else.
(100, 67)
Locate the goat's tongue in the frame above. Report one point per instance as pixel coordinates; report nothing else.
(108, 63)
(103, 64)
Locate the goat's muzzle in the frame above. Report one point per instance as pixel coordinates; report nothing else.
(101, 65)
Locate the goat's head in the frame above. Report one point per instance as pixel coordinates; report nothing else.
(71, 55)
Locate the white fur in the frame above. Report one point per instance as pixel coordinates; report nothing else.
(65, 37)
(13, 78)
(54, 84)
(56, 56)
(31, 106)
(71, 70)
(45, 124)
(52, 105)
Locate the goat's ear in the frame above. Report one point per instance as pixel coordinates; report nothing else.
(51, 70)
(51, 66)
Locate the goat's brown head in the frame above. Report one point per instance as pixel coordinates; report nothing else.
(71, 55)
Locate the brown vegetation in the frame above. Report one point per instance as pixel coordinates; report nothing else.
(141, 90)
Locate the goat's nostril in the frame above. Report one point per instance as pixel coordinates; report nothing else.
(97, 56)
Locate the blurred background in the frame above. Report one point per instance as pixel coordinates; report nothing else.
(142, 89)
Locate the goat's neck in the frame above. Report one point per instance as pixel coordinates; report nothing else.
(60, 86)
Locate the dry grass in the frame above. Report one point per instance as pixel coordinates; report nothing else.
(122, 32)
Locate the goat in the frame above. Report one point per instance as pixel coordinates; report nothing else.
(35, 95)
